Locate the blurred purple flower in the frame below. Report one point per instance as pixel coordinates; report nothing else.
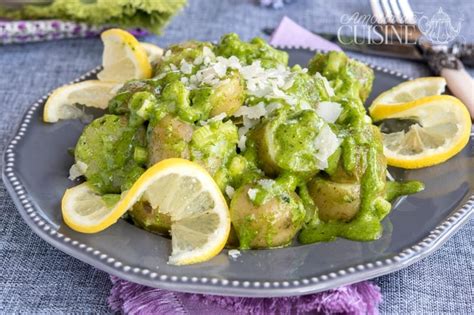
(275, 4)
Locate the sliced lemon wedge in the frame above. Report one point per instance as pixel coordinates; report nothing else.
(153, 52)
(410, 91)
(123, 57)
(82, 208)
(62, 102)
(442, 130)
(177, 187)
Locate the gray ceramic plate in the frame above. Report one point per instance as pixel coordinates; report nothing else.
(36, 169)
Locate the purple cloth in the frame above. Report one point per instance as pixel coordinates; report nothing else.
(275, 4)
(43, 30)
(131, 298)
(289, 33)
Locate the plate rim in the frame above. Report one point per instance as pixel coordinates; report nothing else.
(211, 285)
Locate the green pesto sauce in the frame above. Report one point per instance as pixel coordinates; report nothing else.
(259, 228)
(295, 141)
(366, 225)
(120, 103)
(398, 189)
(107, 147)
(213, 146)
(175, 54)
(348, 77)
(306, 89)
(246, 233)
(374, 207)
(287, 143)
(308, 204)
(150, 219)
(256, 49)
(280, 149)
(110, 200)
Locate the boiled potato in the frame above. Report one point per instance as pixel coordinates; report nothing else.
(213, 145)
(271, 224)
(119, 104)
(187, 51)
(144, 216)
(262, 136)
(286, 143)
(107, 146)
(335, 201)
(169, 138)
(349, 75)
(359, 155)
(341, 175)
(228, 96)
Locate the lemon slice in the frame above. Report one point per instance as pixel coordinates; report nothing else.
(82, 207)
(443, 130)
(62, 102)
(177, 187)
(123, 57)
(411, 90)
(153, 52)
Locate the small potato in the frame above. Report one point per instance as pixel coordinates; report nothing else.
(228, 96)
(144, 216)
(341, 175)
(187, 51)
(285, 143)
(335, 201)
(263, 137)
(271, 224)
(359, 154)
(107, 147)
(169, 139)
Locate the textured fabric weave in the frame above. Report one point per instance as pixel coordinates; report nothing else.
(37, 278)
(356, 299)
(45, 30)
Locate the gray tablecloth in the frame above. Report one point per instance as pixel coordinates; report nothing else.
(35, 277)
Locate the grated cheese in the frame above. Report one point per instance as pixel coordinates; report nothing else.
(329, 111)
(234, 253)
(219, 117)
(266, 184)
(326, 144)
(251, 112)
(242, 131)
(186, 68)
(229, 190)
(326, 84)
(252, 193)
(268, 83)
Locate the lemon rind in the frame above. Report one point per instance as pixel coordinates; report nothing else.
(385, 111)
